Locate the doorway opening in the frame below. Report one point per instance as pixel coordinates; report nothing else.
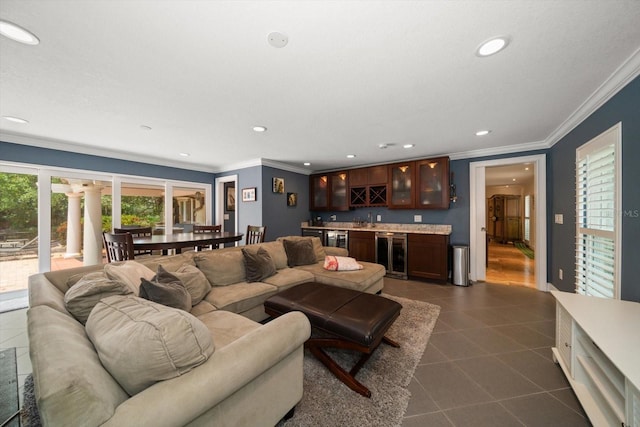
(226, 206)
(522, 230)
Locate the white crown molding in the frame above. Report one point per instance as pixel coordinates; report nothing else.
(494, 151)
(55, 144)
(623, 75)
(286, 167)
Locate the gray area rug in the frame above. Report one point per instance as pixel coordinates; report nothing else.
(328, 402)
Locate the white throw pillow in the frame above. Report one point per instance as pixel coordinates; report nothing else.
(141, 342)
(341, 263)
(129, 272)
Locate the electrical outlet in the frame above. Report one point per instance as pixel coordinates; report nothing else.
(332, 217)
(417, 218)
(379, 218)
(560, 273)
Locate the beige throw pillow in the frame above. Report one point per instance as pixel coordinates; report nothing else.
(91, 288)
(129, 272)
(140, 342)
(195, 281)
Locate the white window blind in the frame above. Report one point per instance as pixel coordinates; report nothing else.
(597, 202)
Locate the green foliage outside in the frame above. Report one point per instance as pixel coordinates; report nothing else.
(19, 208)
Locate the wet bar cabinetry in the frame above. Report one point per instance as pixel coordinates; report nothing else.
(328, 191)
(420, 184)
(362, 245)
(368, 187)
(428, 255)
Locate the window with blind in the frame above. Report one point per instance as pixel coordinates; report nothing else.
(598, 177)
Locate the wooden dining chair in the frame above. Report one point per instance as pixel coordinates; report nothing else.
(137, 232)
(119, 247)
(207, 229)
(255, 234)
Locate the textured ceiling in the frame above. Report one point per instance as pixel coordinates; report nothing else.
(353, 75)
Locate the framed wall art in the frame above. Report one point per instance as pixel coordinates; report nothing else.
(278, 185)
(249, 194)
(292, 199)
(230, 200)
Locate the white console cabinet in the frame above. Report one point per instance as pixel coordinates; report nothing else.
(598, 348)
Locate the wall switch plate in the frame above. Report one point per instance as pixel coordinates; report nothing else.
(560, 273)
(226, 217)
(417, 218)
(332, 217)
(559, 218)
(379, 218)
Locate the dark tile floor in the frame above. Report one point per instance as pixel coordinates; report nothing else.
(488, 361)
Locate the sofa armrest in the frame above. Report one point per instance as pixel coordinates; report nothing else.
(333, 251)
(180, 400)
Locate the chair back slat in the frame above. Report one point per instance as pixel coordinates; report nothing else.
(255, 234)
(207, 229)
(119, 247)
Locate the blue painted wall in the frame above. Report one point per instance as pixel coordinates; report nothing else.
(280, 219)
(623, 107)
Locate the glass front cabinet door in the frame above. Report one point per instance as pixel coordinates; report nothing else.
(401, 181)
(432, 186)
(319, 199)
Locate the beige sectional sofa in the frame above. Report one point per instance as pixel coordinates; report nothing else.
(238, 373)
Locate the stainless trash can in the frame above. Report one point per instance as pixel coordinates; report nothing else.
(460, 273)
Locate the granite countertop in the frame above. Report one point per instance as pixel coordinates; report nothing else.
(384, 227)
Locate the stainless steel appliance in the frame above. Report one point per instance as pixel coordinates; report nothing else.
(336, 238)
(315, 232)
(391, 251)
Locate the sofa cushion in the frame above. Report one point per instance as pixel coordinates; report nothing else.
(194, 280)
(318, 249)
(299, 252)
(240, 296)
(170, 263)
(129, 272)
(288, 278)
(221, 267)
(359, 280)
(227, 327)
(276, 252)
(140, 342)
(85, 294)
(202, 307)
(258, 265)
(166, 289)
(65, 364)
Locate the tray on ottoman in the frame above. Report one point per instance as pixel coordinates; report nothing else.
(352, 320)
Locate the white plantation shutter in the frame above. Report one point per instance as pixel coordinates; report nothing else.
(597, 208)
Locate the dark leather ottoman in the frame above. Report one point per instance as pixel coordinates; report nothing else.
(353, 320)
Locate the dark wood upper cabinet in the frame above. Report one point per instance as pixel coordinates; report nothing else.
(368, 186)
(400, 186)
(432, 183)
(328, 192)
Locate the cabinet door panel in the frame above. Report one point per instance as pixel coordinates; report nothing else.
(362, 245)
(319, 199)
(428, 256)
(432, 187)
(401, 185)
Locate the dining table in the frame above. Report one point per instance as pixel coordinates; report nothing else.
(177, 241)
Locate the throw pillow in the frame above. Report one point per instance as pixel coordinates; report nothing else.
(140, 342)
(299, 252)
(258, 264)
(91, 288)
(166, 289)
(129, 272)
(341, 263)
(194, 281)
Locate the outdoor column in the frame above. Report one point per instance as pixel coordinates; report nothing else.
(92, 248)
(74, 234)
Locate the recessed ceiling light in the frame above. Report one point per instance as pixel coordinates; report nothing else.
(492, 46)
(351, 156)
(17, 33)
(526, 169)
(382, 146)
(408, 145)
(145, 127)
(15, 119)
(185, 154)
(483, 132)
(259, 129)
(514, 180)
(307, 164)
